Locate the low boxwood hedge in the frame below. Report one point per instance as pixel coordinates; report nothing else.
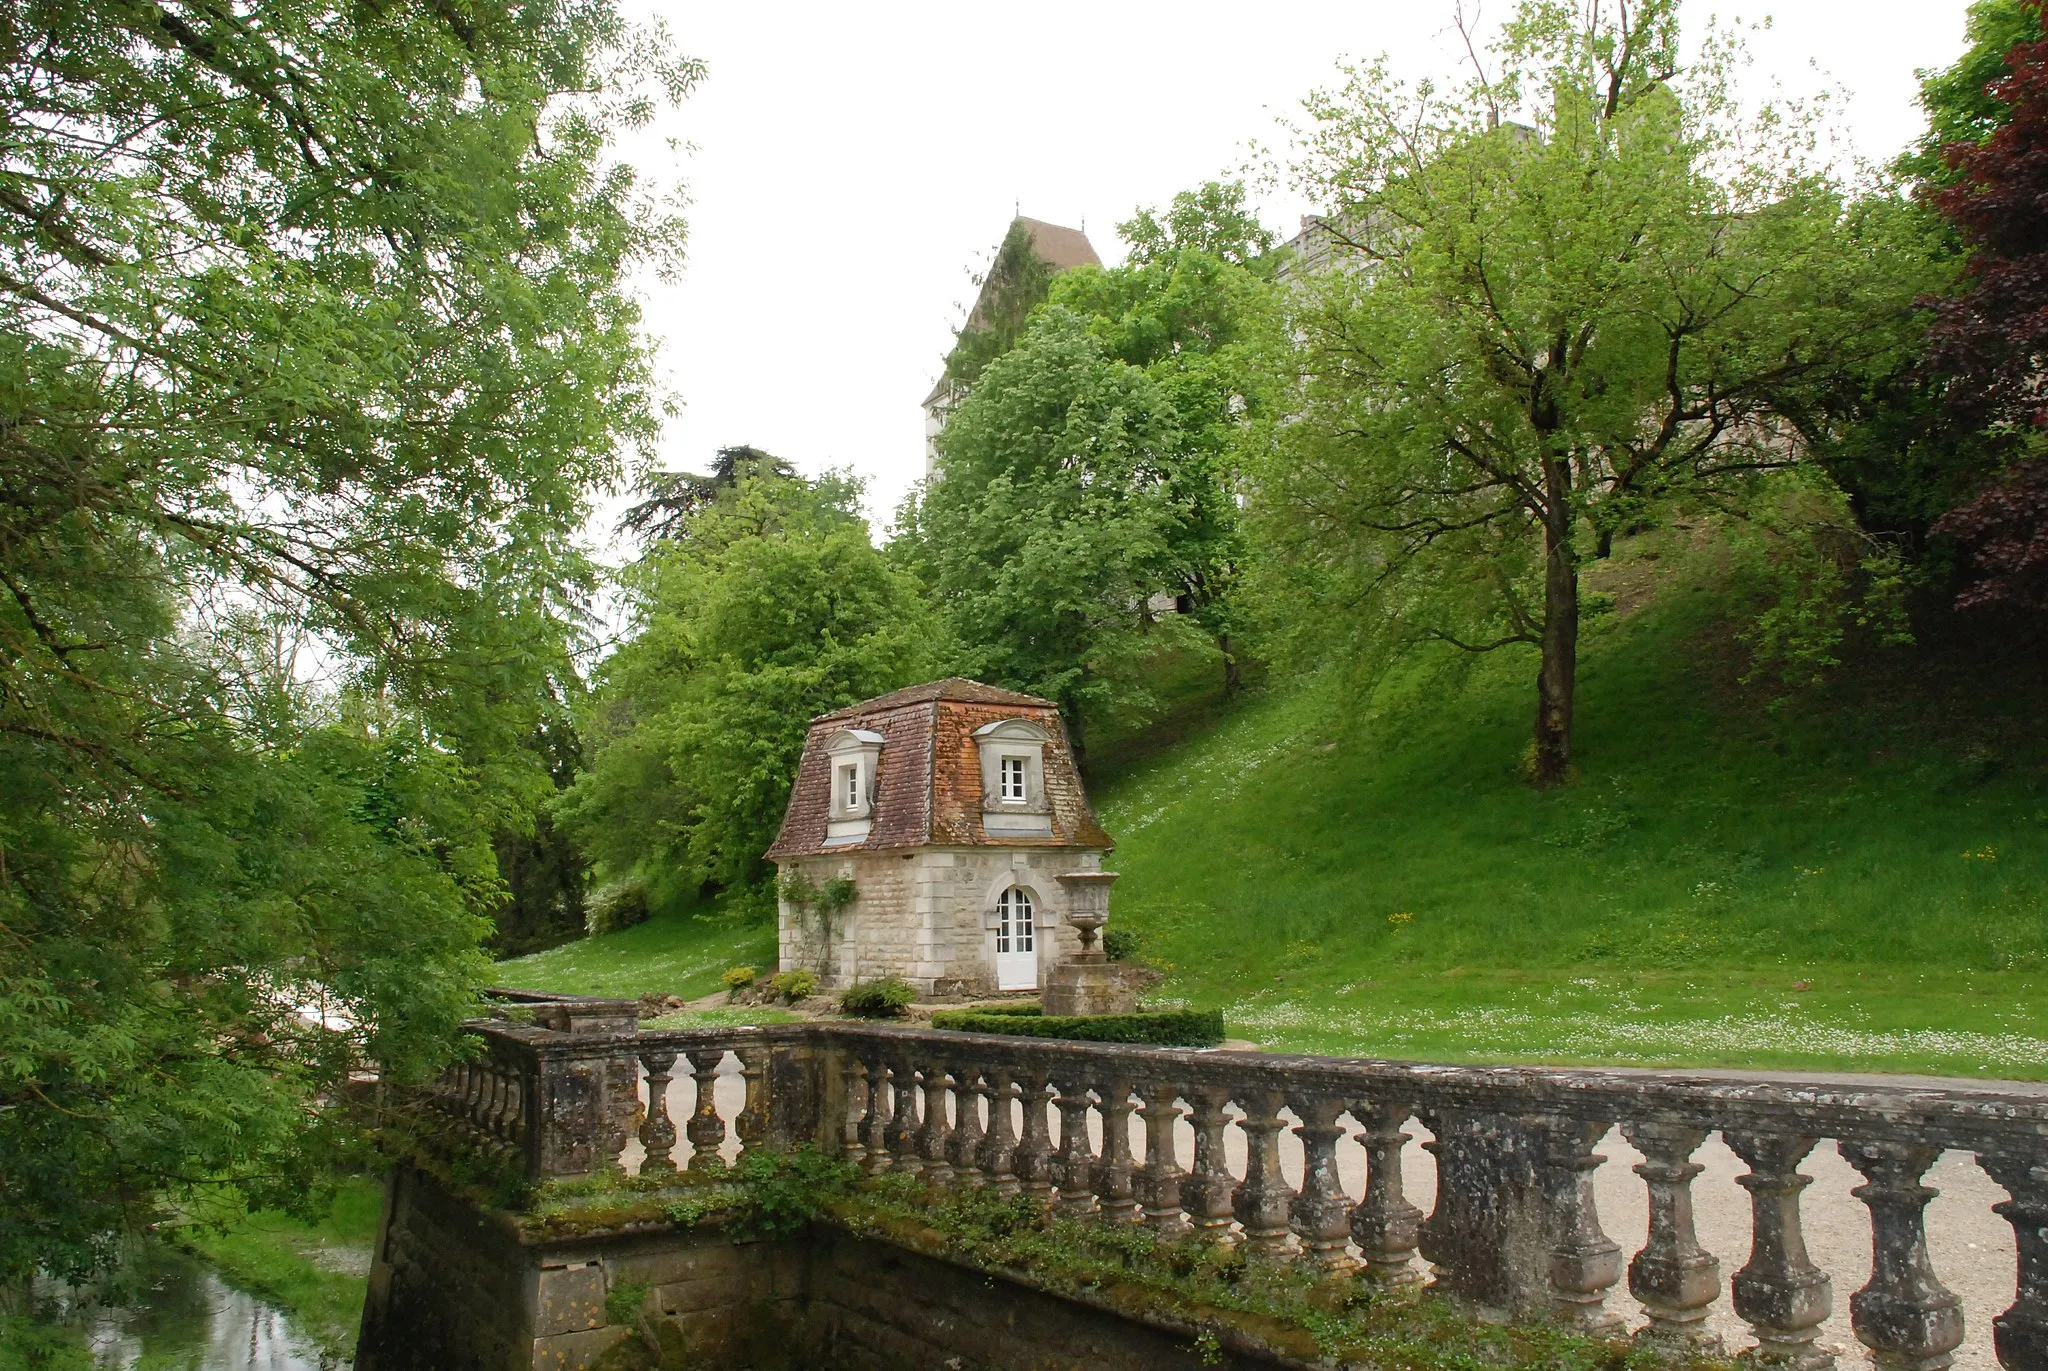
(1161, 1028)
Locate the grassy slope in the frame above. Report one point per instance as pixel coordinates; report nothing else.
(680, 953)
(1858, 880)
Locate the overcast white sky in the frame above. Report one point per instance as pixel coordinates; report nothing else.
(853, 163)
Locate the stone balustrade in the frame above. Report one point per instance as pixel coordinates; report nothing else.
(1255, 1150)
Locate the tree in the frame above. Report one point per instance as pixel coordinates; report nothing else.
(771, 606)
(1542, 334)
(1210, 219)
(669, 500)
(1962, 100)
(1989, 339)
(313, 323)
(1047, 527)
(1194, 308)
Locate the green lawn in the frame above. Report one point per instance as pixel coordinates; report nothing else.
(1856, 879)
(678, 954)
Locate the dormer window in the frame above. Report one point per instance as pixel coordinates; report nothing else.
(854, 755)
(1013, 778)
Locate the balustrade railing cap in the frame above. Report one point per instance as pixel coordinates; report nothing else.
(572, 1013)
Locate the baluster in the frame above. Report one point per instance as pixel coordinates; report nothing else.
(1077, 1158)
(1486, 1236)
(1160, 1182)
(1034, 1151)
(853, 1140)
(1115, 1173)
(705, 1130)
(999, 1139)
(1384, 1225)
(1262, 1202)
(969, 1089)
(936, 1138)
(875, 1122)
(1322, 1211)
(1206, 1192)
(1905, 1316)
(903, 1130)
(1584, 1261)
(751, 1124)
(1781, 1294)
(2020, 1334)
(1673, 1277)
(504, 1103)
(657, 1130)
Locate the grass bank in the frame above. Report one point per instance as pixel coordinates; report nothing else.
(679, 953)
(317, 1271)
(1852, 878)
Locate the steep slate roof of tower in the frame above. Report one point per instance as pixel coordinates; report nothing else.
(928, 784)
(1056, 245)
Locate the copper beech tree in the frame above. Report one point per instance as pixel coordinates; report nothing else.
(1990, 338)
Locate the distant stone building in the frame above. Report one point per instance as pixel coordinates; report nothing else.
(956, 811)
(1060, 249)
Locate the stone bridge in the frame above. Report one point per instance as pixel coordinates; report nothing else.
(1302, 1163)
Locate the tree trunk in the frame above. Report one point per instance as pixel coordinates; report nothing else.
(1231, 680)
(1558, 679)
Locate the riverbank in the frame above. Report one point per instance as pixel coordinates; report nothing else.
(315, 1270)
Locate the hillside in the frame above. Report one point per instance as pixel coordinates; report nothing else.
(1851, 878)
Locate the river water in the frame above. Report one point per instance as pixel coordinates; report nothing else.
(174, 1313)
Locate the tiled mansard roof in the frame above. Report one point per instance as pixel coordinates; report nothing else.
(928, 784)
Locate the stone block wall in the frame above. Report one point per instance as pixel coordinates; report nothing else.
(456, 1289)
(927, 915)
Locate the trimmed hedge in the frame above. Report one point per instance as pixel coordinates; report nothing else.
(1163, 1028)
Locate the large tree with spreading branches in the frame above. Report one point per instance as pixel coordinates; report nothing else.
(1563, 296)
(313, 341)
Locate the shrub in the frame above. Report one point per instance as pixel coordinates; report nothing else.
(1167, 1028)
(1120, 944)
(879, 999)
(793, 985)
(616, 905)
(737, 978)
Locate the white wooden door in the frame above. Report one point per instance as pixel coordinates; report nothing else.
(1016, 942)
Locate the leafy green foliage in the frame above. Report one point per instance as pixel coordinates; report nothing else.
(1121, 944)
(773, 606)
(1539, 336)
(738, 977)
(1962, 107)
(617, 906)
(793, 985)
(1160, 1028)
(883, 998)
(313, 336)
(1048, 527)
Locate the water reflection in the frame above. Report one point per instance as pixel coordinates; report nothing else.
(175, 1314)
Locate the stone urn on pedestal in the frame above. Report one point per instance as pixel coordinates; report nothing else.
(1086, 983)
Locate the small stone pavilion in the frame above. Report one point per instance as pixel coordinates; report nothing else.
(956, 811)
